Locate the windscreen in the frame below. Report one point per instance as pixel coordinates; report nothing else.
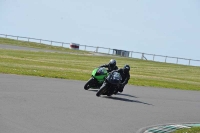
(101, 71)
(116, 76)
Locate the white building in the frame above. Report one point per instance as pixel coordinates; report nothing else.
(121, 52)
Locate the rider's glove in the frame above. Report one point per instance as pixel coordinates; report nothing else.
(123, 84)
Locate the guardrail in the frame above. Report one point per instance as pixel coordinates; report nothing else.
(110, 51)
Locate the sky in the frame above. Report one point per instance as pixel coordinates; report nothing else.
(162, 27)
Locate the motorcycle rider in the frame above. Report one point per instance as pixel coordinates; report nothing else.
(111, 65)
(124, 72)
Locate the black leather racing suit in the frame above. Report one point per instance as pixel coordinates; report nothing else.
(110, 69)
(125, 78)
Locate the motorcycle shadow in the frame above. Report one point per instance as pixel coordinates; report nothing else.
(121, 99)
(95, 90)
(126, 100)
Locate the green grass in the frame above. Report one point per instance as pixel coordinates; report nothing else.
(39, 45)
(79, 66)
(188, 130)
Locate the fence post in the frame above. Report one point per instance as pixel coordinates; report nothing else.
(153, 57)
(177, 61)
(17, 37)
(28, 39)
(51, 42)
(97, 49)
(165, 59)
(40, 41)
(189, 62)
(62, 44)
(85, 47)
(109, 51)
(6, 35)
(131, 54)
(142, 56)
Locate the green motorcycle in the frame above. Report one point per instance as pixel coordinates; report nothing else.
(97, 78)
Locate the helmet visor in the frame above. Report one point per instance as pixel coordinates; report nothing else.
(112, 65)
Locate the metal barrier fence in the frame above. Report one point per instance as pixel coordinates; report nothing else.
(110, 51)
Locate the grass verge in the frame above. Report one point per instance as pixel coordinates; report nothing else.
(80, 66)
(188, 130)
(39, 46)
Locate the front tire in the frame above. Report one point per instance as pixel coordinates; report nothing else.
(101, 90)
(88, 84)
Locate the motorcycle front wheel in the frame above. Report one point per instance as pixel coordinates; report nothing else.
(88, 84)
(101, 90)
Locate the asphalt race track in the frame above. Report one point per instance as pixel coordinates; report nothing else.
(31, 104)
(44, 105)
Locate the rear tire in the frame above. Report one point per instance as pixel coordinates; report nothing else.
(101, 90)
(88, 84)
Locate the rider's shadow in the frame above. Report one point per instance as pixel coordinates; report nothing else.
(126, 100)
(126, 95)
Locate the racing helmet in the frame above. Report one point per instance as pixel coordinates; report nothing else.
(112, 63)
(126, 68)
